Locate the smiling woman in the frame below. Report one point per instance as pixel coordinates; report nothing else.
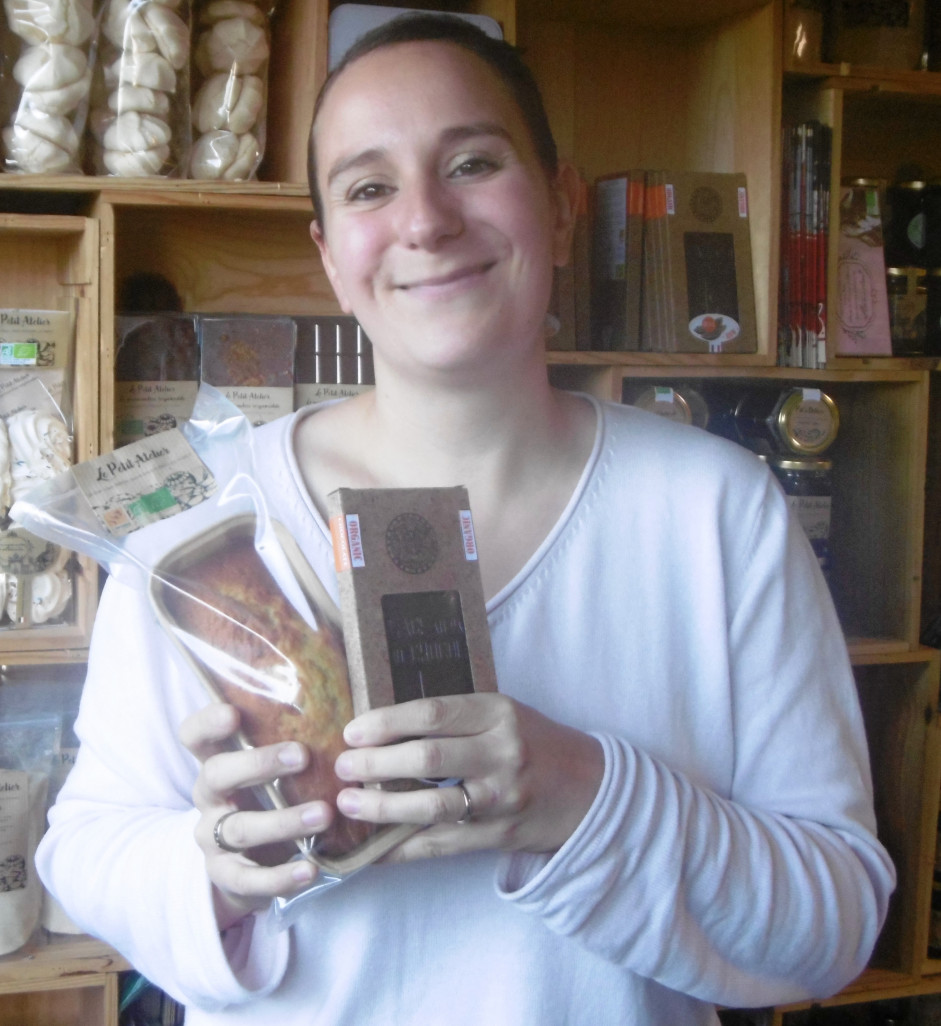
(667, 805)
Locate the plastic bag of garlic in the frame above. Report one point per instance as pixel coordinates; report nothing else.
(140, 94)
(46, 99)
(231, 50)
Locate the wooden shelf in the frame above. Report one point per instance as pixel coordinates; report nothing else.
(63, 958)
(648, 13)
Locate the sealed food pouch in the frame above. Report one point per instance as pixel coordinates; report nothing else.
(181, 517)
(231, 52)
(45, 99)
(28, 747)
(140, 95)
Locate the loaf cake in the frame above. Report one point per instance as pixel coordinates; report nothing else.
(288, 681)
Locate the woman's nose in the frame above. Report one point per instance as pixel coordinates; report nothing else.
(429, 213)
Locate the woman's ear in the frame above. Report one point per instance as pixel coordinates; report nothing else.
(317, 235)
(568, 191)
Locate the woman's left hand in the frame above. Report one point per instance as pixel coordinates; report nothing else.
(529, 780)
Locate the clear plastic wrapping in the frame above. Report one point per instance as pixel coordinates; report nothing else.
(181, 517)
(46, 91)
(231, 53)
(36, 444)
(140, 116)
(28, 749)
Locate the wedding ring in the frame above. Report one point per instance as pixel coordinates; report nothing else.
(468, 813)
(221, 841)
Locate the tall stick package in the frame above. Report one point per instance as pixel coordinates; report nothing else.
(411, 596)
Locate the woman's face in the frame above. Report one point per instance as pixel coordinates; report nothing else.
(441, 227)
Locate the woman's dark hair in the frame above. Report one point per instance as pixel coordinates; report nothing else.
(415, 27)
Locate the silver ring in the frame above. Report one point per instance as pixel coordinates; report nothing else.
(217, 834)
(468, 814)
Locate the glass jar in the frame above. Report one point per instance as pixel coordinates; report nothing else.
(797, 420)
(907, 291)
(685, 404)
(933, 312)
(932, 210)
(808, 484)
(904, 229)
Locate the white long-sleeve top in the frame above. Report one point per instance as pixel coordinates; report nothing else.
(677, 613)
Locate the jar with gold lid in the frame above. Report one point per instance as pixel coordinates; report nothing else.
(683, 404)
(804, 421)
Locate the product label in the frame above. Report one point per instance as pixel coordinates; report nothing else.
(143, 482)
(813, 514)
(14, 830)
(467, 533)
(22, 553)
(355, 540)
(144, 408)
(35, 338)
(25, 390)
(260, 404)
(310, 394)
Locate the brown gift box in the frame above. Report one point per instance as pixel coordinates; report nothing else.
(411, 596)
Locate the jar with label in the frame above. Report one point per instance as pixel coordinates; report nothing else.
(684, 404)
(904, 228)
(808, 484)
(797, 420)
(907, 292)
(933, 312)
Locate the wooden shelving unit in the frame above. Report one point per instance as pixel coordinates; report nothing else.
(628, 83)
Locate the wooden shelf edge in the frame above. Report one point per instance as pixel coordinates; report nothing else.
(649, 14)
(877, 651)
(872, 79)
(61, 957)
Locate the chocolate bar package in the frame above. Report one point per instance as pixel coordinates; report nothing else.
(251, 361)
(333, 359)
(156, 373)
(617, 260)
(411, 595)
(710, 286)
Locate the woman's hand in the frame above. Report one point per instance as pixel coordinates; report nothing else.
(529, 780)
(240, 885)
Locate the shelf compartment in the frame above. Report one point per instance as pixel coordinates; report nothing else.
(51, 262)
(878, 482)
(232, 255)
(900, 707)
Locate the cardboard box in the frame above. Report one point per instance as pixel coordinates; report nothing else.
(708, 261)
(617, 260)
(411, 596)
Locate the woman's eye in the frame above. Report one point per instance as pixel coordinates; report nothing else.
(369, 191)
(473, 166)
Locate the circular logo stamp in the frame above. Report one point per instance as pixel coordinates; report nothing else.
(412, 543)
(706, 203)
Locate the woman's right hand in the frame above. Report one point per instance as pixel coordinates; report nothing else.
(242, 886)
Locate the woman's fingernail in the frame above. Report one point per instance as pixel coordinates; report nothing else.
(344, 767)
(349, 803)
(352, 733)
(303, 872)
(290, 755)
(313, 817)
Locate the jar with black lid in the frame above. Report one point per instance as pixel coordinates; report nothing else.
(804, 421)
(904, 229)
(808, 484)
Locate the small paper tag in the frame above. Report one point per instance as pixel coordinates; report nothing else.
(467, 532)
(355, 538)
(144, 482)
